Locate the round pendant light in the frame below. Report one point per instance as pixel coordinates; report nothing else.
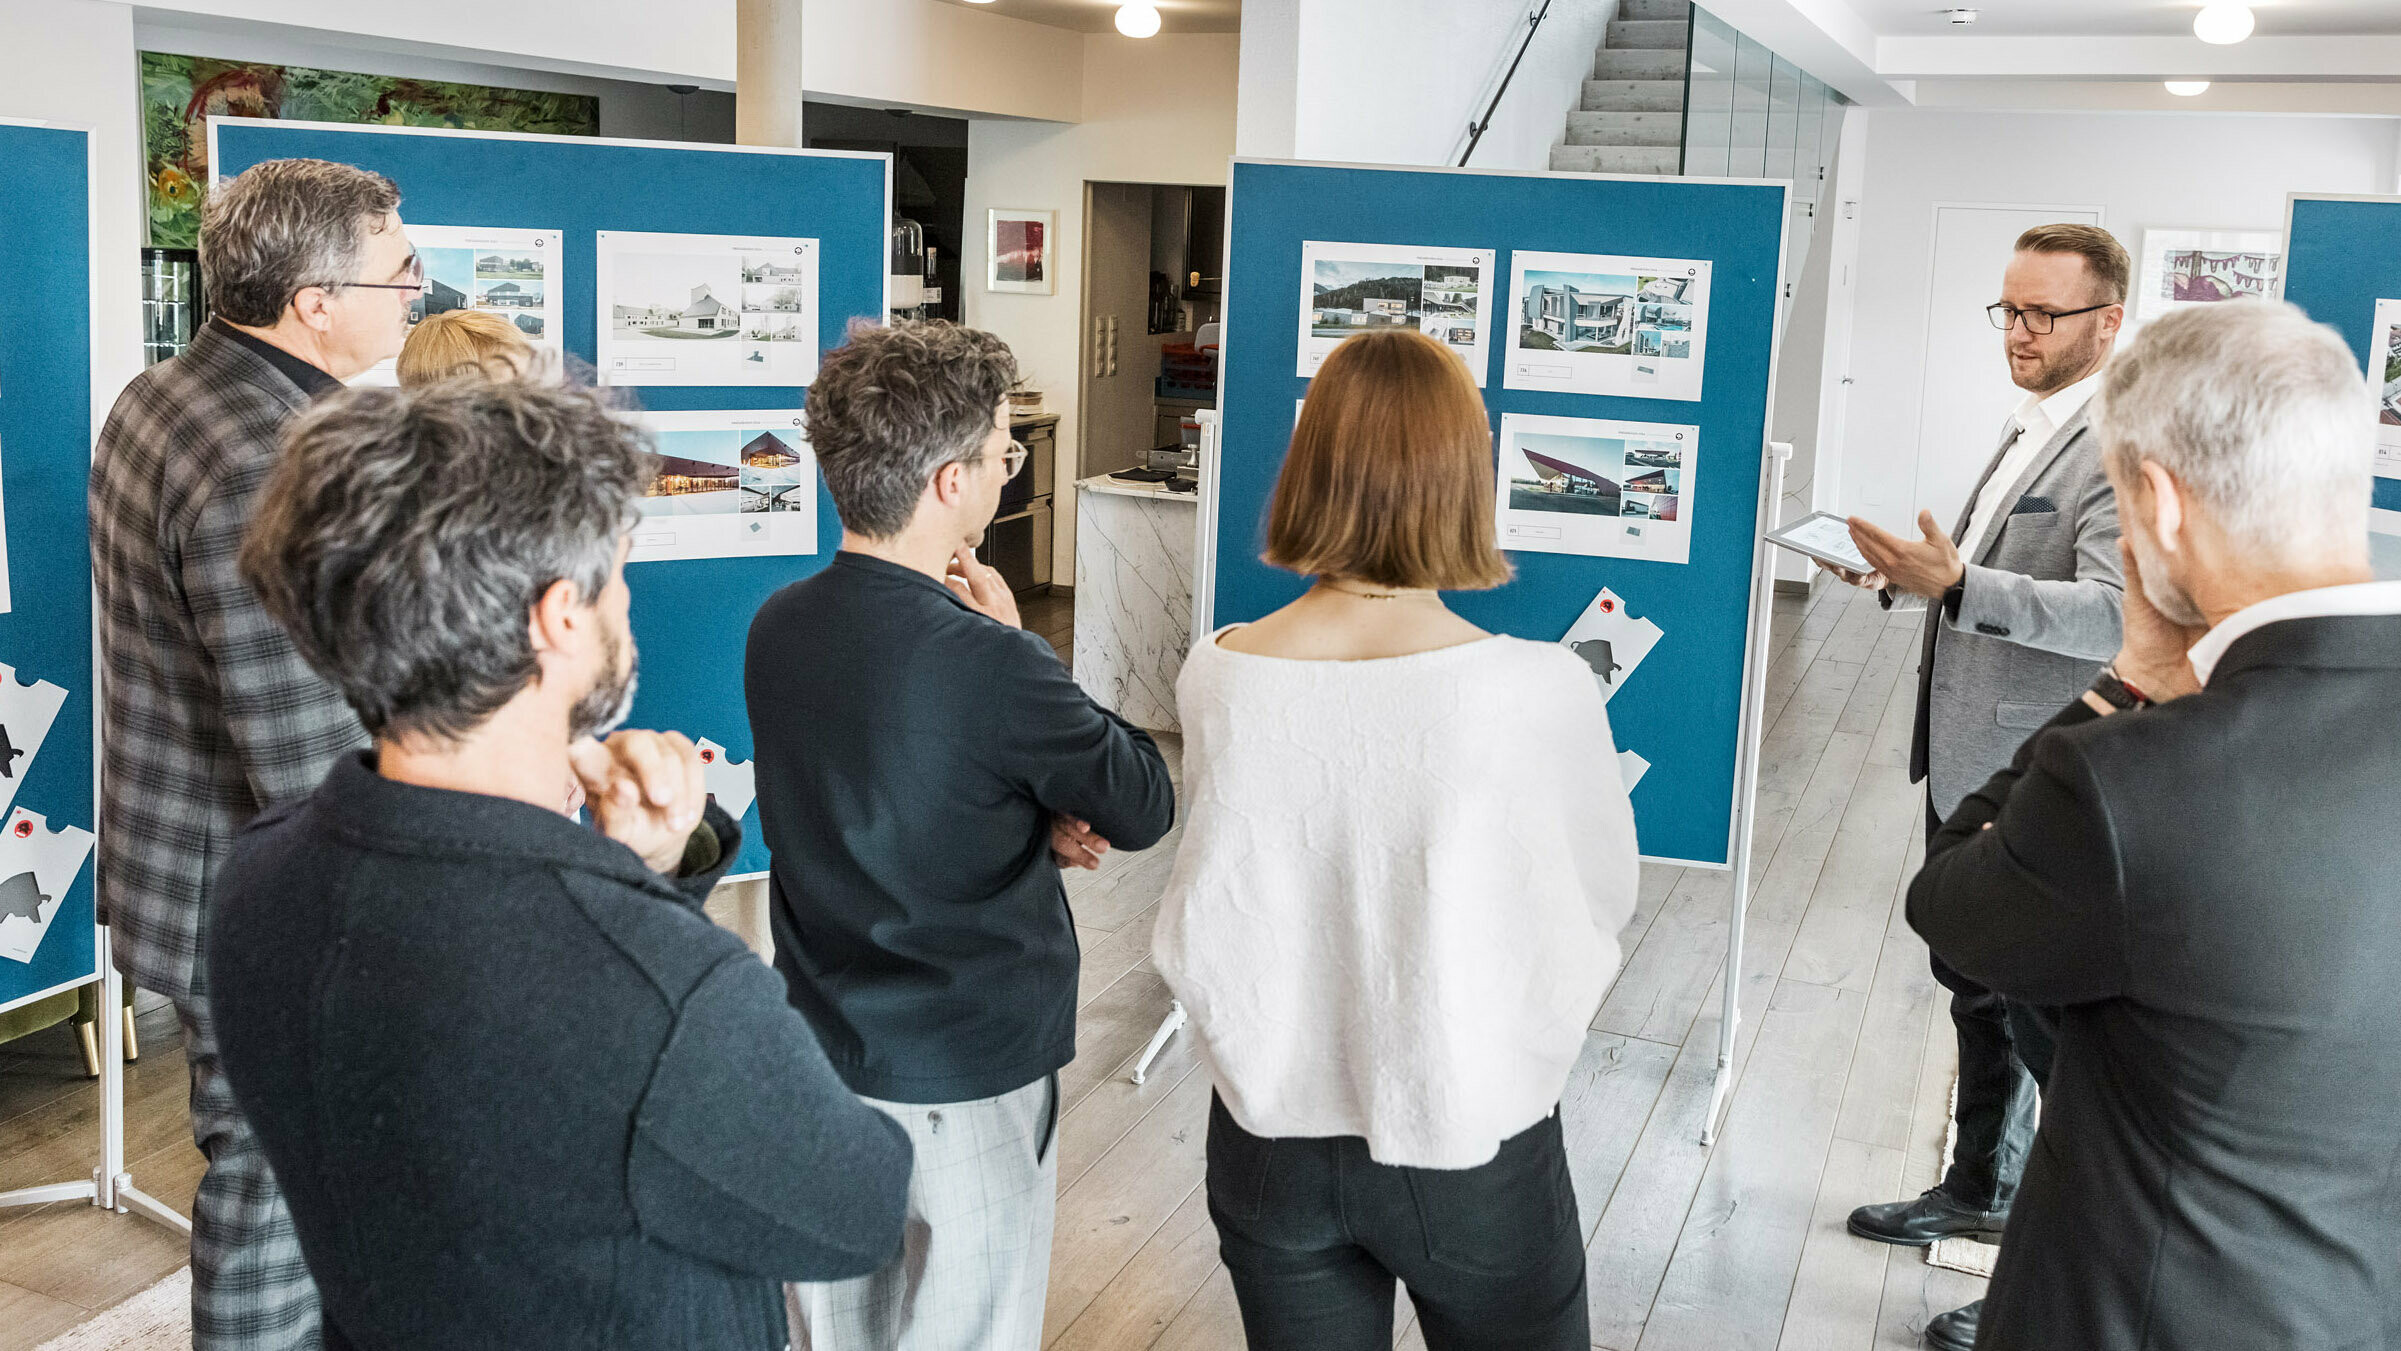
(2223, 23)
(1138, 20)
(2188, 88)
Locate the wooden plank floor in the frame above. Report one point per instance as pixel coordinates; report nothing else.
(1843, 1057)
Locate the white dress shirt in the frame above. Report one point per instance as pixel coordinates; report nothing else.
(2037, 419)
(2359, 598)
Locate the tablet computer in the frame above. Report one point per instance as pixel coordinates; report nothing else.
(1824, 536)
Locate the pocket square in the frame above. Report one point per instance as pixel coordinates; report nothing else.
(2028, 506)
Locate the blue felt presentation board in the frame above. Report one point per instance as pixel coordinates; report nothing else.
(690, 618)
(1682, 709)
(2342, 255)
(45, 463)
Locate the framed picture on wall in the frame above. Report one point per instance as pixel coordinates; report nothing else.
(1021, 252)
(2197, 267)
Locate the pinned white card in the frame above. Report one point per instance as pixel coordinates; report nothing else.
(1631, 768)
(730, 781)
(37, 866)
(1611, 641)
(26, 712)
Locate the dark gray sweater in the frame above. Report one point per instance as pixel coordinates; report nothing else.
(520, 1092)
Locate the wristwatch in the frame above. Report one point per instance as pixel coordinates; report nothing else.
(2115, 692)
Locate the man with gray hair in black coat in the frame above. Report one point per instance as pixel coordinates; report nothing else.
(520, 1091)
(2196, 862)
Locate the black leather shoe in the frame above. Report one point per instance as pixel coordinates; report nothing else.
(1954, 1331)
(1918, 1223)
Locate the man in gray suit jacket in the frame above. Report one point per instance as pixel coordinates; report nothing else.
(2023, 600)
(211, 714)
(2207, 889)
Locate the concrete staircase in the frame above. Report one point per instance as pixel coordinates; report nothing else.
(1631, 120)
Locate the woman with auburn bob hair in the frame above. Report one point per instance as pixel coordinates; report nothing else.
(1407, 857)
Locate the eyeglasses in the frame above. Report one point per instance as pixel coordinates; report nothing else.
(414, 268)
(1012, 460)
(2038, 322)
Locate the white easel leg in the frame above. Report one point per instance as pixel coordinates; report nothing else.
(112, 1186)
(1158, 1040)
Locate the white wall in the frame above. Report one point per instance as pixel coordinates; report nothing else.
(1160, 110)
(81, 72)
(2143, 170)
(1399, 81)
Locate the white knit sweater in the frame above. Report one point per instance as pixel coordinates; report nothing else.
(1397, 902)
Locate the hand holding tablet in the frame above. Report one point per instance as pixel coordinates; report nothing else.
(1826, 537)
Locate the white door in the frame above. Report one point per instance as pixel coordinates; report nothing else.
(1965, 391)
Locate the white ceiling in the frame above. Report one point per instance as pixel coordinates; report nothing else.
(1099, 16)
(2305, 55)
(2123, 18)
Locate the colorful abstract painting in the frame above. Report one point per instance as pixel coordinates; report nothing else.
(180, 94)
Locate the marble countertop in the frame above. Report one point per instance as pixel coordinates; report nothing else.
(1102, 483)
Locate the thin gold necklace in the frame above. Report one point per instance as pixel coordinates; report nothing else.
(1378, 595)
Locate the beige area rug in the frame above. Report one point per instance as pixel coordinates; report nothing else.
(1960, 1254)
(157, 1319)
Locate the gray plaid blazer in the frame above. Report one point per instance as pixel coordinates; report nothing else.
(208, 713)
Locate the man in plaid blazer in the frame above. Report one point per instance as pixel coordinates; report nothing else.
(209, 714)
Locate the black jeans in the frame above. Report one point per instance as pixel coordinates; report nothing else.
(2005, 1051)
(1314, 1233)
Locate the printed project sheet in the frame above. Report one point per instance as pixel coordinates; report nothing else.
(1599, 323)
(37, 866)
(516, 274)
(707, 309)
(1610, 489)
(730, 485)
(1443, 293)
(2384, 376)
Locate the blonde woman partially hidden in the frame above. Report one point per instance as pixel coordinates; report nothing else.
(465, 342)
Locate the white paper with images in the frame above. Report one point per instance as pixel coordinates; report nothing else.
(26, 712)
(1605, 323)
(1443, 293)
(1611, 641)
(2384, 376)
(730, 485)
(707, 309)
(732, 782)
(1596, 486)
(517, 274)
(37, 866)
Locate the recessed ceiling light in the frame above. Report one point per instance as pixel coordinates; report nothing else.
(1963, 16)
(2188, 88)
(1138, 20)
(2223, 23)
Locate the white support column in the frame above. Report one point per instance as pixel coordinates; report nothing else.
(767, 90)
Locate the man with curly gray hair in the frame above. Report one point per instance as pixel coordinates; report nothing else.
(446, 1004)
(924, 769)
(211, 714)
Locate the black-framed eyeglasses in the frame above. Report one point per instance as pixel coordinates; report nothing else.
(414, 269)
(2038, 322)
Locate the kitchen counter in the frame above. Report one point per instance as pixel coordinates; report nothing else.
(1134, 546)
